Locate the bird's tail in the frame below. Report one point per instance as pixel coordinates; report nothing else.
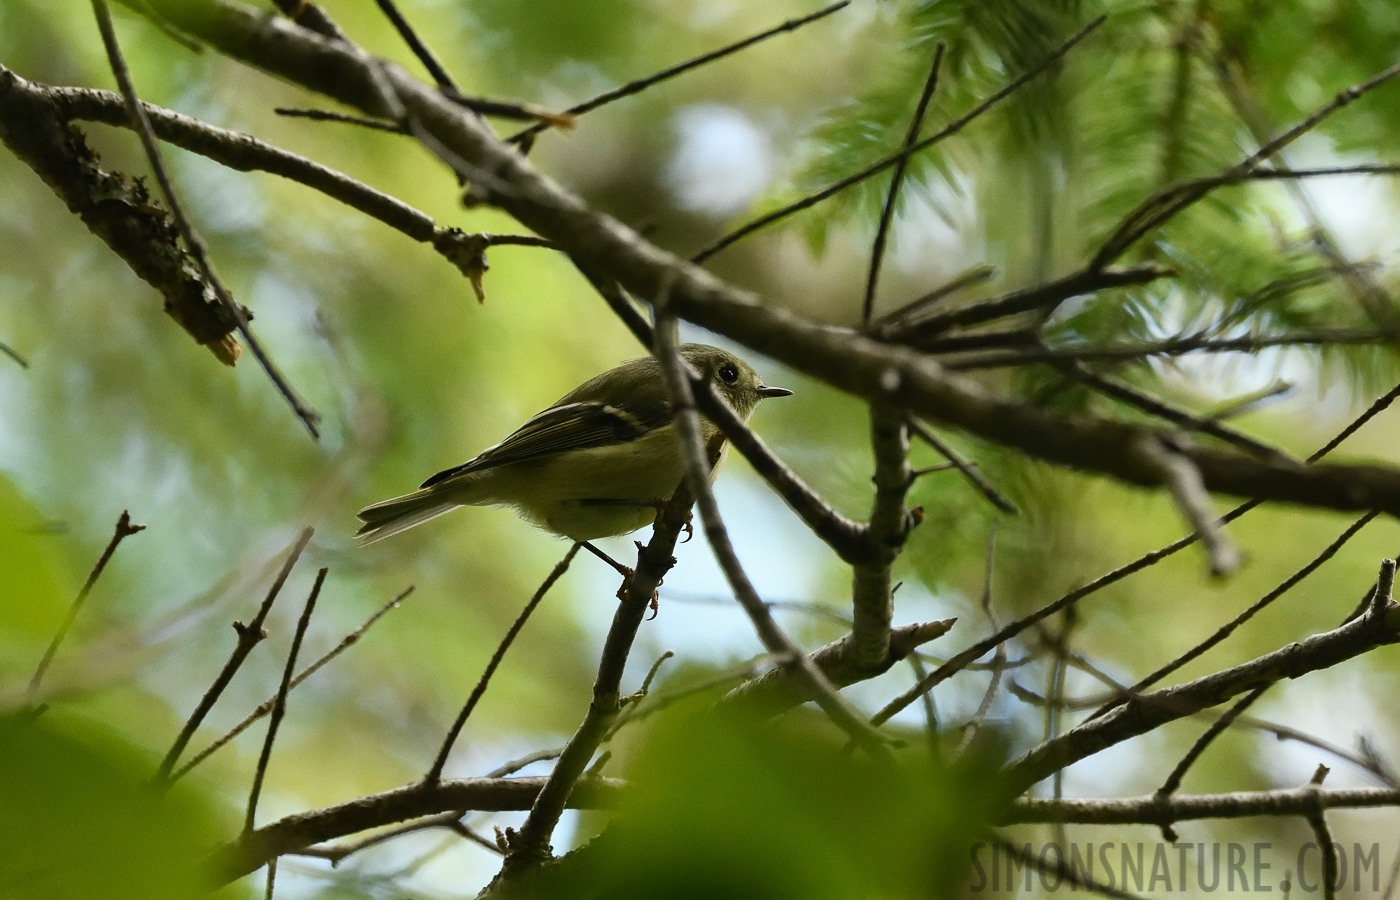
(389, 517)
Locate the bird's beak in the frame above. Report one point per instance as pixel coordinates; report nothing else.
(766, 391)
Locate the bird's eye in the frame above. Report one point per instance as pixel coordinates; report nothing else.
(728, 374)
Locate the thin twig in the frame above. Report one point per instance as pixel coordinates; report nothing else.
(1154, 212)
(1250, 612)
(1318, 820)
(882, 230)
(311, 16)
(420, 49)
(968, 470)
(435, 772)
(975, 275)
(642, 84)
(193, 242)
(13, 354)
(450, 820)
(970, 728)
(1236, 406)
(248, 637)
(923, 329)
(1184, 483)
(325, 115)
(279, 707)
(1171, 347)
(1121, 390)
(529, 846)
(1216, 729)
(124, 529)
(266, 706)
(528, 759)
(249, 852)
(1152, 810)
(876, 168)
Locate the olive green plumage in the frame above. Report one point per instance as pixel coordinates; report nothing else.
(594, 464)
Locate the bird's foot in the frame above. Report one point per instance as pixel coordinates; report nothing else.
(659, 504)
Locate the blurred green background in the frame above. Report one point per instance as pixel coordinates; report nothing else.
(118, 409)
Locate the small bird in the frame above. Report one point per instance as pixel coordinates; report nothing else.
(597, 463)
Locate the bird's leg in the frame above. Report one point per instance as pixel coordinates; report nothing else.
(622, 570)
(625, 572)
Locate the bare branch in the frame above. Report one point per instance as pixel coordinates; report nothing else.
(1254, 609)
(895, 318)
(919, 330)
(450, 820)
(324, 115)
(876, 168)
(193, 242)
(1120, 390)
(779, 689)
(526, 136)
(699, 460)
(529, 846)
(124, 529)
(1155, 810)
(279, 707)
(415, 43)
(967, 469)
(872, 592)
(1217, 728)
(266, 706)
(882, 230)
(1171, 347)
(1143, 713)
(435, 771)
(256, 848)
(248, 637)
(1183, 480)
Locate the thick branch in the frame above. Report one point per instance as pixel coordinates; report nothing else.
(872, 592)
(530, 846)
(1146, 712)
(1157, 810)
(256, 848)
(837, 356)
(117, 209)
(778, 689)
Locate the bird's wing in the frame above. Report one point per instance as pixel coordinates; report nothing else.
(570, 426)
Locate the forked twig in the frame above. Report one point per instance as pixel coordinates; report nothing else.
(248, 637)
(266, 706)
